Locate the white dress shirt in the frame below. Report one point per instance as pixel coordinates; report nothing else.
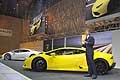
(88, 36)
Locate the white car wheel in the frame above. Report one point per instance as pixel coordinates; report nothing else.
(7, 57)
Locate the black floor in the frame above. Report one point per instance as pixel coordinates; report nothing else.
(58, 75)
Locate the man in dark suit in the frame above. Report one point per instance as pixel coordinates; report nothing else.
(88, 44)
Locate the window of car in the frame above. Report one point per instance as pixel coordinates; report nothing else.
(57, 52)
(16, 51)
(24, 51)
(67, 52)
(64, 52)
(72, 51)
(79, 51)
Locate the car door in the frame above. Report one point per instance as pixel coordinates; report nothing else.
(65, 59)
(18, 54)
(54, 62)
(74, 59)
(80, 60)
(26, 53)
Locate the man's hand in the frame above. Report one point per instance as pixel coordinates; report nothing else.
(84, 42)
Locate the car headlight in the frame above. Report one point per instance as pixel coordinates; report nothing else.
(111, 57)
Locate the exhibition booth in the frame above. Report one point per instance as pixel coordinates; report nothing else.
(45, 42)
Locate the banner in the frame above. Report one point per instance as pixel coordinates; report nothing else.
(6, 32)
(103, 42)
(37, 25)
(99, 8)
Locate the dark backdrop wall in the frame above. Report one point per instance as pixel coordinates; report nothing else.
(67, 17)
(10, 34)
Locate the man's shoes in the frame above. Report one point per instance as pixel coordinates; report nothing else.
(88, 75)
(94, 76)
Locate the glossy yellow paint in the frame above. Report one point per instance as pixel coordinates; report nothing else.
(100, 7)
(73, 62)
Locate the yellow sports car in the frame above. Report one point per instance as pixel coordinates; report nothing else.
(35, 27)
(68, 59)
(100, 8)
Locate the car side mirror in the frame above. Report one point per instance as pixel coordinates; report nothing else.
(52, 54)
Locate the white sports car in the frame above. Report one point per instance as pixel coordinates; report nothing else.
(19, 54)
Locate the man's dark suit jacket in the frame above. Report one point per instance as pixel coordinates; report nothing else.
(89, 45)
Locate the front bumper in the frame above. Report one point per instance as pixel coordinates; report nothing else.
(113, 65)
(27, 64)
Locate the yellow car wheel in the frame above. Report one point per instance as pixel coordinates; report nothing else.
(101, 66)
(39, 64)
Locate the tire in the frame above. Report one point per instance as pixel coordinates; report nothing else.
(101, 67)
(39, 64)
(31, 55)
(7, 57)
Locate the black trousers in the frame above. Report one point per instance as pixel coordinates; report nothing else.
(91, 64)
